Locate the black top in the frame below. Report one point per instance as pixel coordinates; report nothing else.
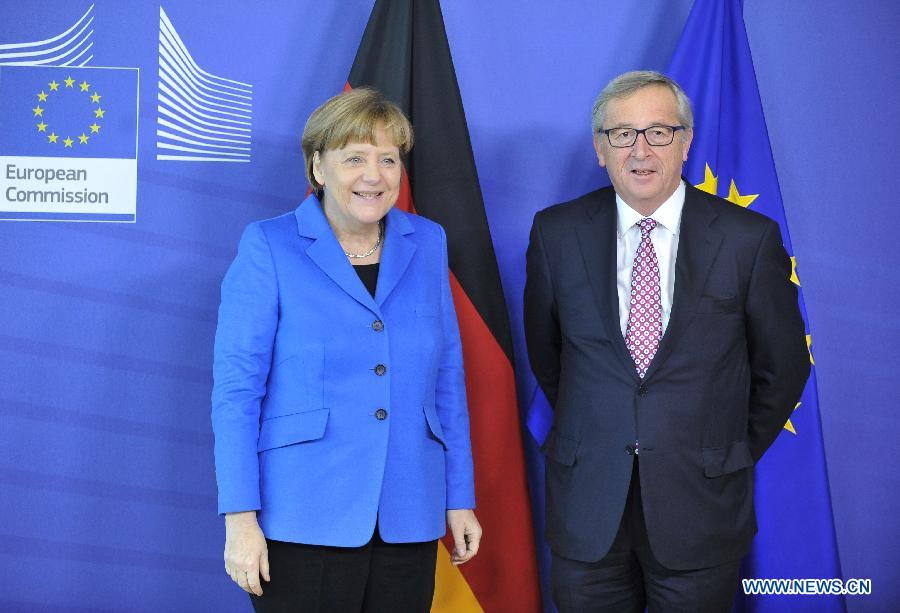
(368, 274)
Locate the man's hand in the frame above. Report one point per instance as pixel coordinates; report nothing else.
(246, 556)
(466, 533)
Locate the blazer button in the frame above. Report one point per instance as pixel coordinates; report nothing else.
(380, 369)
(380, 414)
(629, 449)
(642, 390)
(378, 325)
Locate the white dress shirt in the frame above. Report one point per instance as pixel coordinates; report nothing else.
(665, 242)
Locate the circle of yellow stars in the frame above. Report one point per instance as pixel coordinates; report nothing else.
(54, 87)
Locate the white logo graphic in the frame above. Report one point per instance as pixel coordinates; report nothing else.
(201, 117)
(71, 48)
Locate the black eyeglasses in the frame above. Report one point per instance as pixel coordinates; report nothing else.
(657, 136)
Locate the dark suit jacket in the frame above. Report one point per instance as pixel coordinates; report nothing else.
(729, 370)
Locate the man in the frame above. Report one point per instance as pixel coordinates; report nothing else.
(665, 332)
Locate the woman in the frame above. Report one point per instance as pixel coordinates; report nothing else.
(339, 406)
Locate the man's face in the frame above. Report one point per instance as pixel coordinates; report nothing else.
(642, 175)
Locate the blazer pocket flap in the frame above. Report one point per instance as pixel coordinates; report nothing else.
(718, 461)
(434, 424)
(560, 448)
(290, 429)
(717, 304)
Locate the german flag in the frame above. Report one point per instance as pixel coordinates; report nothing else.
(404, 53)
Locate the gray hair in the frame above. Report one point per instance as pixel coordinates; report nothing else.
(628, 83)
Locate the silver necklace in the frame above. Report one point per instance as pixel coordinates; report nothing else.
(374, 247)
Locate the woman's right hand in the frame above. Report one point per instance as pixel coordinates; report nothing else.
(246, 556)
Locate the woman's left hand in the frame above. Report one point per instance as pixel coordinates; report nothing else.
(466, 533)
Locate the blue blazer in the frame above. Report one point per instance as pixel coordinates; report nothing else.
(331, 408)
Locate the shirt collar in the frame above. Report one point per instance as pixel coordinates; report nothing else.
(668, 215)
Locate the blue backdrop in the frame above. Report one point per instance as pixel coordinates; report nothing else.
(106, 475)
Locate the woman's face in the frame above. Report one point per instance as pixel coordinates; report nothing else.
(361, 180)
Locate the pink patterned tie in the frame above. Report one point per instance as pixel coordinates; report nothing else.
(645, 317)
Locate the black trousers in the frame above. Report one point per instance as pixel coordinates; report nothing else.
(630, 578)
(378, 577)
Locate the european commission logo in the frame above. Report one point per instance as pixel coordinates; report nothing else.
(68, 143)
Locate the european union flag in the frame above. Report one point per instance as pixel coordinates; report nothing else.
(731, 157)
(68, 112)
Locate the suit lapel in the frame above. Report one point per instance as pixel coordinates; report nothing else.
(325, 251)
(597, 241)
(698, 245)
(396, 255)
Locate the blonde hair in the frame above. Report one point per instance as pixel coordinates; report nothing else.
(352, 116)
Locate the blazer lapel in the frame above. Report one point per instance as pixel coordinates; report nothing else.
(396, 254)
(597, 240)
(325, 251)
(698, 246)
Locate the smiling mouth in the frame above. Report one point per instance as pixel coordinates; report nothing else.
(643, 172)
(368, 195)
